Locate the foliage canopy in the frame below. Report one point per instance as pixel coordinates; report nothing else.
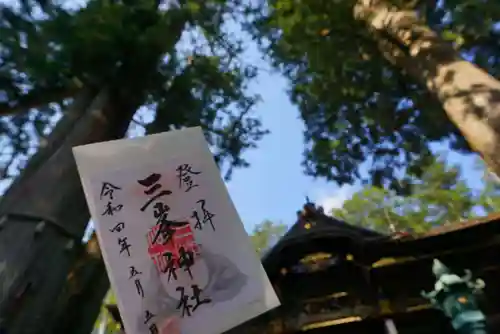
(440, 196)
(180, 61)
(358, 108)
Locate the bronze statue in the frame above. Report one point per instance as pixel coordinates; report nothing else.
(456, 297)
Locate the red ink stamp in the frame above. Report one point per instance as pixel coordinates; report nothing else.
(183, 237)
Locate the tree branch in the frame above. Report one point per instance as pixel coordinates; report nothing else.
(36, 98)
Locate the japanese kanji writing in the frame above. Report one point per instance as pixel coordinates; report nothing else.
(185, 306)
(186, 260)
(185, 175)
(170, 267)
(207, 216)
(107, 190)
(110, 209)
(148, 316)
(168, 231)
(135, 274)
(118, 227)
(166, 255)
(167, 228)
(171, 243)
(154, 188)
(124, 245)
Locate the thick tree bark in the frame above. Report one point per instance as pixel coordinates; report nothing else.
(100, 124)
(91, 280)
(80, 303)
(469, 95)
(87, 284)
(46, 216)
(63, 128)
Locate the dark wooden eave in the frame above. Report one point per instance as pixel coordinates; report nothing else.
(322, 234)
(477, 231)
(329, 234)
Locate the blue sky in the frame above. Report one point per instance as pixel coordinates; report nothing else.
(274, 186)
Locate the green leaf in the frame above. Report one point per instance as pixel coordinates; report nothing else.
(348, 92)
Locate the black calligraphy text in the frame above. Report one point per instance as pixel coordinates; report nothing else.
(185, 306)
(154, 189)
(186, 260)
(107, 190)
(118, 227)
(207, 216)
(111, 209)
(185, 175)
(124, 245)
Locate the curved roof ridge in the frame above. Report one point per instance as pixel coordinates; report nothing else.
(312, 224)
(317, 219)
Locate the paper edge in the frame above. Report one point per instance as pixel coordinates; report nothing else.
(265, 303)
(111, 276)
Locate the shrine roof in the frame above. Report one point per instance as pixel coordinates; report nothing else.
(494, 217)
(316, 232)
(311, 221)
(477, 231)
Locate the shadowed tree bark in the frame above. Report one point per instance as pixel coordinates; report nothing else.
(44, 216)
(87, 282)
(42, 227)
(63, 128)
(45, 213)
(86, 285)
(378, 82)
(469, 95)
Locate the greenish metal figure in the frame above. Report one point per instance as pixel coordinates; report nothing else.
(456, 297)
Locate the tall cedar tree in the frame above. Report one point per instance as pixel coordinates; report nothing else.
(185, 67)
(379, 81)
(179, 63)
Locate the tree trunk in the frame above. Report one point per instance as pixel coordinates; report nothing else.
(80, 303)
(63, 128)
(469, 95)
(46, 216)
(88, 282)
(91, 279)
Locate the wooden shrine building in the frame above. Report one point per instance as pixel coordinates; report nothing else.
(332, 277)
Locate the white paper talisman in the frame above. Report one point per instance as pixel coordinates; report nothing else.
(170, 235)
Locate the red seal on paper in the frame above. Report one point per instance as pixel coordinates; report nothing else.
(183, 237)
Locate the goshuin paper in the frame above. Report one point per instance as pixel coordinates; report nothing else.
(170, 235)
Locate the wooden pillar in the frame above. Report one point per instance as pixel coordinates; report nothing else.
(390, 327)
